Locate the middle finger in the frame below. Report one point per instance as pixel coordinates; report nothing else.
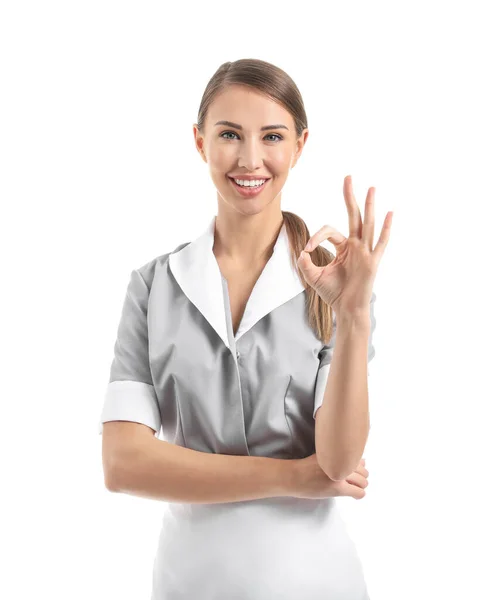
(354, 216)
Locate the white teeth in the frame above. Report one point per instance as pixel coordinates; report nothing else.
(252, 183)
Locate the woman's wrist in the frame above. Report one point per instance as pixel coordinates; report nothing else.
(359, 319)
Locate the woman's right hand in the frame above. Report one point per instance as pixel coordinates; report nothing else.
(310, 481)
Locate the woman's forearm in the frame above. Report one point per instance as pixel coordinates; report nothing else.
(342, 421)
(160, 470)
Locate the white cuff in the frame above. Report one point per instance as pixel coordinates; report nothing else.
(131, 401)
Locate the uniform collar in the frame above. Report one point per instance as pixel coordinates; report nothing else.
(197, 272)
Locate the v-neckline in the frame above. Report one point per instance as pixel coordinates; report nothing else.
(197, 272)
(227, 308)
(227, 299)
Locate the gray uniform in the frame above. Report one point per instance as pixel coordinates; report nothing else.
(178, 365)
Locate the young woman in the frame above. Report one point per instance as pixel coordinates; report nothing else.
(249, 346)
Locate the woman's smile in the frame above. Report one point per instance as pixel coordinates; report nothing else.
(248, 191)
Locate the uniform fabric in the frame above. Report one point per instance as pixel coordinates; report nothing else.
(178, 367)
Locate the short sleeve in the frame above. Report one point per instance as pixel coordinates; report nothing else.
(130, 393)
(326, 356)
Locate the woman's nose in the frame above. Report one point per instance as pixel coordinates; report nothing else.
(251, 156)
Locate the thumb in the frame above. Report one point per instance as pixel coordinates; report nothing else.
(310, 271)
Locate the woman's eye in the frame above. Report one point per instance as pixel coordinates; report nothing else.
(226, 133)
(279, 137)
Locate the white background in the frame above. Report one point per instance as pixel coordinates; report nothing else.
(99, 174)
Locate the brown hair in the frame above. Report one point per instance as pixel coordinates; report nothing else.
(278, 85)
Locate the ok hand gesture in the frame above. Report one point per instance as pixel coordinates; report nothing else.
(346, 283)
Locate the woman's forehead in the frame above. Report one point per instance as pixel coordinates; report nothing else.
(248, 108)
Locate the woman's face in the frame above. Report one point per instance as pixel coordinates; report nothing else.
(247, 149)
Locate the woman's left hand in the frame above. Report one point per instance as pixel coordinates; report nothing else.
(346, 283)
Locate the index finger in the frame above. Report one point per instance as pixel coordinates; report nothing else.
(325, 233)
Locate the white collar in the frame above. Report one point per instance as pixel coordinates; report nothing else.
(197, 272)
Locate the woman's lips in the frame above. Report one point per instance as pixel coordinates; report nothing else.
(248, 192)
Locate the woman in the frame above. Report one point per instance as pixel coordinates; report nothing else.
(227, 343)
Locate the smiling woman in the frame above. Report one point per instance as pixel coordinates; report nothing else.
(267, 112)
(224, 344)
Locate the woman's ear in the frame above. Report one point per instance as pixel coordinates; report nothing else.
(199, 142)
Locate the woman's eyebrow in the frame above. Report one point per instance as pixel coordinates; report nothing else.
(236, 126)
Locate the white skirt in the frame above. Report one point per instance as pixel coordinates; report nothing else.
(281, 548)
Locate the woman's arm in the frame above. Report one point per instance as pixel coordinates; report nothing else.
(156, 469)
(342, 421)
